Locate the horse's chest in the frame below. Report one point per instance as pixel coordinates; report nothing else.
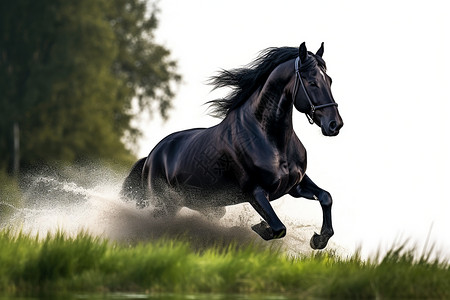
(275, 170)
(279, 175)
(289, 175)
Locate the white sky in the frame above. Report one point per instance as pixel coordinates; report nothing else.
(387, 169)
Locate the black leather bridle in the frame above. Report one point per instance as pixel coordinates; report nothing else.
(310, 115)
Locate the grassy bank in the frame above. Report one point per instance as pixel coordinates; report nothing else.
(30, 265)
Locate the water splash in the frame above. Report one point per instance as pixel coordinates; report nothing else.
(89, 201)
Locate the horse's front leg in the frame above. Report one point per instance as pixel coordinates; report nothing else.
(308, 189)
(271, 227)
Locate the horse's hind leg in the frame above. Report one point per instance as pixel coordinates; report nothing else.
(271, 227)
(132, 187)
(164, 199)
(309, 190)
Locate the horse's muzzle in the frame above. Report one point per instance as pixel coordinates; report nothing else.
(332, 128)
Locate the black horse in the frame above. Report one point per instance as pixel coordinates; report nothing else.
(253, 155)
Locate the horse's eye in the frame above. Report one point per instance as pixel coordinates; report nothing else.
(313, 83)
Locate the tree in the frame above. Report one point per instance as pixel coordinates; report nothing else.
(69, 71)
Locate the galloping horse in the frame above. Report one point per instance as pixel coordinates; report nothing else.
(253, 155)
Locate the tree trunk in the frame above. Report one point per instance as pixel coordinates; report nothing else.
(14, 165)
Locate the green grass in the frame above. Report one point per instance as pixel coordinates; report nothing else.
(30, 266)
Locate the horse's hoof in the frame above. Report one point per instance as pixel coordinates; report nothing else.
(266, 232)
(318, 242)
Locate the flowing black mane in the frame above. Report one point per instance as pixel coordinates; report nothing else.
(244, 81)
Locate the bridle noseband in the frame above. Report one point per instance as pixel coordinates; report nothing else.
(298, 79)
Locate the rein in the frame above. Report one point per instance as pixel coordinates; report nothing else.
(310, 115)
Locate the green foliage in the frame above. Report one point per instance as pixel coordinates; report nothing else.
(142, 65)
(69, 71)
(86, 264)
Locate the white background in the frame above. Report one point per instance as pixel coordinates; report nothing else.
(387, 169)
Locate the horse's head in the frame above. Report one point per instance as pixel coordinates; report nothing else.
(312, 92)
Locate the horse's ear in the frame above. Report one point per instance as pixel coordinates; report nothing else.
(320, 51)
(302, 52)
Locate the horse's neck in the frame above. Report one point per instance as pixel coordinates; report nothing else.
(272, 107)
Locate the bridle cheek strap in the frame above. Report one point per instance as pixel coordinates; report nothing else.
(310, 115)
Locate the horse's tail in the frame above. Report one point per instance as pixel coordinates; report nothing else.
(133, 187)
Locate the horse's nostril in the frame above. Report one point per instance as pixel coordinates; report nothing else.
(332, 125)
